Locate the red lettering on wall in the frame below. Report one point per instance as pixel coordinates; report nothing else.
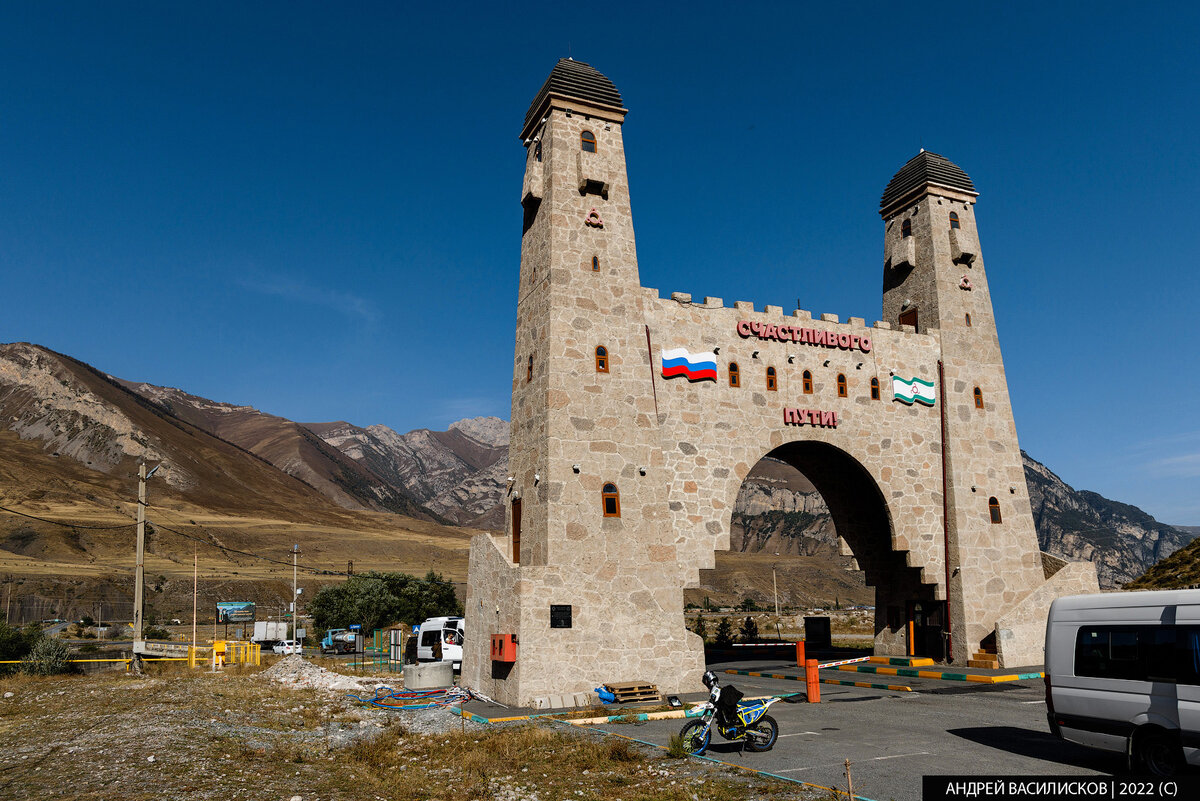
(805, 336)
(813, 417)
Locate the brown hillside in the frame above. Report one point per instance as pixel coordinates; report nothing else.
(69, 453)
(287, 445)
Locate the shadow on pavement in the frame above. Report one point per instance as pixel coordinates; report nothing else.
(1039, 745)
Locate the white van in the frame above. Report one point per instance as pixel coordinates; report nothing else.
(1123, 674)
(444, 634)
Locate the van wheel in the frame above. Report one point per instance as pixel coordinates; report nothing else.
(1156, 753)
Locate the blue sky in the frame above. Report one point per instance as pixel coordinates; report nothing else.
(313, 208)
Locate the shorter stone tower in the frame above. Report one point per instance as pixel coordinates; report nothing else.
(934, 280)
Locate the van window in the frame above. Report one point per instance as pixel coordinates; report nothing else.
(1137, 653)
(428, 638)
(1189, 655)
(1108, 652)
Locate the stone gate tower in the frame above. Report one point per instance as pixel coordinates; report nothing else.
(625, 466)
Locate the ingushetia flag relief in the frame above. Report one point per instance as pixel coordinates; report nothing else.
(915, 389)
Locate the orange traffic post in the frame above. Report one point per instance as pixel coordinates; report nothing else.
(799, 653)
(812, 681)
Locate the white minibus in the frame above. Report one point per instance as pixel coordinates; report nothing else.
(441, 640)
(1123, 674)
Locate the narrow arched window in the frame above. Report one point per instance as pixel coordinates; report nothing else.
(842, 385)
(529, 371)
(587, 140)
(537, 150)
(968, 319)
(807, 382)
(735, 377)
(772, 382)
(978, 398)
(874, 389)
(954, 219)
(601, 359)
(610, 497)
(595, 264)
(906, 228)
(994, 509)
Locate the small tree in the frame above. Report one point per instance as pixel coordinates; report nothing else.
(749, 630)
(16, 643)
(48, 657)
(700, 628)
(748, 605)
(724, 635)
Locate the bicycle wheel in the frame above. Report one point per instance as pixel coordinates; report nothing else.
(761, 734)
(695, 738)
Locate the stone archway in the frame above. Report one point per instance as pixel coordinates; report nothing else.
(862, 520)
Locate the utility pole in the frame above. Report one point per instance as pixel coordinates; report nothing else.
(195, 589)
(139, 644)
(295, 553)
(775, 588)
(139, 571)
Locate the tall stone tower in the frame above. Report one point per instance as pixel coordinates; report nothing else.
(934, 280)
(575, 588)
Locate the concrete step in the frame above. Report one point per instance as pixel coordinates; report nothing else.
(987, 664)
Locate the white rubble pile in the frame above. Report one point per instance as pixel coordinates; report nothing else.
(294, 670)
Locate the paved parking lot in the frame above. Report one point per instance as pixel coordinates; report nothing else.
(894, 738)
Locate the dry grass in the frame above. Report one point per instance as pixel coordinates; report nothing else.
(238, 736)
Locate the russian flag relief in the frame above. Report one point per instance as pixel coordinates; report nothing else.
(694, 366)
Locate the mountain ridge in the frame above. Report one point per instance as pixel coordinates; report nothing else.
(456, 476)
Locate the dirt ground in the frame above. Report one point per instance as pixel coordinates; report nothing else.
(290, 732)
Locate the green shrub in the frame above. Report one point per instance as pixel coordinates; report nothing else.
(47, 658)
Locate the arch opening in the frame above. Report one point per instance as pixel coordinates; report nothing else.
(811, 525)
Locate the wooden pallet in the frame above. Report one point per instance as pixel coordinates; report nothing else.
(632, 692)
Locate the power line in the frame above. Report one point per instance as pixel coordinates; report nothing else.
(223, 548)
(66, 525)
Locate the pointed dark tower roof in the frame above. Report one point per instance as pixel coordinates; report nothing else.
(573, 80)
(924, 168)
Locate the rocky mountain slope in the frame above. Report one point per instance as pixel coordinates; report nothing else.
(457, 474)
(289, 446)
(1180, 570)
(1121, 540)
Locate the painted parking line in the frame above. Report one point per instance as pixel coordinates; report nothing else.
(798, 733)
(868, 759)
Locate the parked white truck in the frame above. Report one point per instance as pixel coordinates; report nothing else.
(269, 632)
